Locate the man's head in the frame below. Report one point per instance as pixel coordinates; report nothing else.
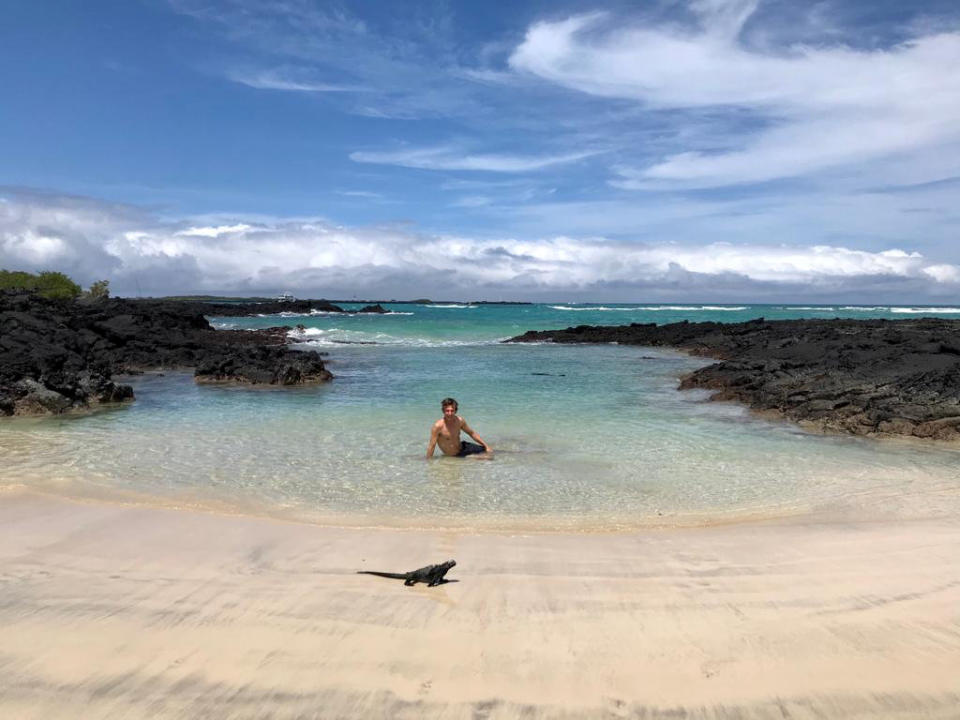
(449, 406)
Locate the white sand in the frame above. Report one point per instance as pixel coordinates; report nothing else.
(124, 612)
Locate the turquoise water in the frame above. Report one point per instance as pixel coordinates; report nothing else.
(585, 436)
(458, 323)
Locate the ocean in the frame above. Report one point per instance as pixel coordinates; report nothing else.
(593, 438)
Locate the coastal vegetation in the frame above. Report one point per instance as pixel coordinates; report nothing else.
(52, 285)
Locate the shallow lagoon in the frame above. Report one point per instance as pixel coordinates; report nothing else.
(594, 437)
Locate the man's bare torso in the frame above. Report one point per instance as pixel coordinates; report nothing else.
(448, 434)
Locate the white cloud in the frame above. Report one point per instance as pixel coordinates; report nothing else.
(398, 66)
(449, 158)
(823, 106)
(472, 201)
(361, 194)
(277, 80)
(217, 231)
(140, 253)
(31, 246)
(943, 273)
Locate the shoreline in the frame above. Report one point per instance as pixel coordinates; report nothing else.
(142, 612)
(826, 511)
(541, 524)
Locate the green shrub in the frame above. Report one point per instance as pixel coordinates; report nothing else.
(100, 290)
(17, 280)
(53, 285)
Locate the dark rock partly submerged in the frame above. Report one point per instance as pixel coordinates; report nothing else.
(863, 377)
(60, 356)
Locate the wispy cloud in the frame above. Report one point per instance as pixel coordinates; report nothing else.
(366, 194)
(823, 106)
(279, 80)
(450, 158)
(401, 62)
(472, 201)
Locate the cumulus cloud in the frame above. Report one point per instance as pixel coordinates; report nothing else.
(943, 273)
(144, 254)
(818, 106)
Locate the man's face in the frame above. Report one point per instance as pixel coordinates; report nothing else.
(449, 411)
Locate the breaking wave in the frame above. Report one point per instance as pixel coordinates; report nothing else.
(904, 310)
(332, 337)
(920, 311)
(319, 313)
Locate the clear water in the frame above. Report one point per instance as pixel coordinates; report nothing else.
(585, 436)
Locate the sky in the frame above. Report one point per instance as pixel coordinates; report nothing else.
(702, 150)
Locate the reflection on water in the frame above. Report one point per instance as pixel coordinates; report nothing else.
(582, 435)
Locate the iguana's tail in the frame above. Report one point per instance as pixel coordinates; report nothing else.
(393, 576)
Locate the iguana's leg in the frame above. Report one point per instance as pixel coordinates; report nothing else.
(409, 581)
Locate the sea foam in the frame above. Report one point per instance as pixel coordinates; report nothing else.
(921, 311)
(653, 308)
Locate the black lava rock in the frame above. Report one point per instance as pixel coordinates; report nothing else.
(864, 377)
(57, 356)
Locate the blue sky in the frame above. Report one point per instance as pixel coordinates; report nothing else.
(708, 150)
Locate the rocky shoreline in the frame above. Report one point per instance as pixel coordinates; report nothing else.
(860, 377)
(60, 356)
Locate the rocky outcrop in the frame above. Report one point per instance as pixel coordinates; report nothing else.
(60, 356)
(28, 396)
(263, 365)
(863, 377)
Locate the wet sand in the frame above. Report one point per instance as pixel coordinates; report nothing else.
(112, 611)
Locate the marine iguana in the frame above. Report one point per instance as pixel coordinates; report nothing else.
(431, 574)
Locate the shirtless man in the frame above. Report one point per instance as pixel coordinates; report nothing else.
(446, 433)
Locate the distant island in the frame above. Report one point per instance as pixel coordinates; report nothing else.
(223, 299)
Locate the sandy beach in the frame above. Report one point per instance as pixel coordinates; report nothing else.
(114, 611)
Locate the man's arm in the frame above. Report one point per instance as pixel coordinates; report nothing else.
(432, 445)
(469, 431)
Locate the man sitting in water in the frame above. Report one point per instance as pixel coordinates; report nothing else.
(446, 433)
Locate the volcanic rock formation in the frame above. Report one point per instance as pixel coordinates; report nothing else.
(58, 356)
(864, 377)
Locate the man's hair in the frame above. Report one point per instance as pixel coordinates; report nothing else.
(449, 401)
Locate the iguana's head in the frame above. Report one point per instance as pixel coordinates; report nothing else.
(449, 564)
